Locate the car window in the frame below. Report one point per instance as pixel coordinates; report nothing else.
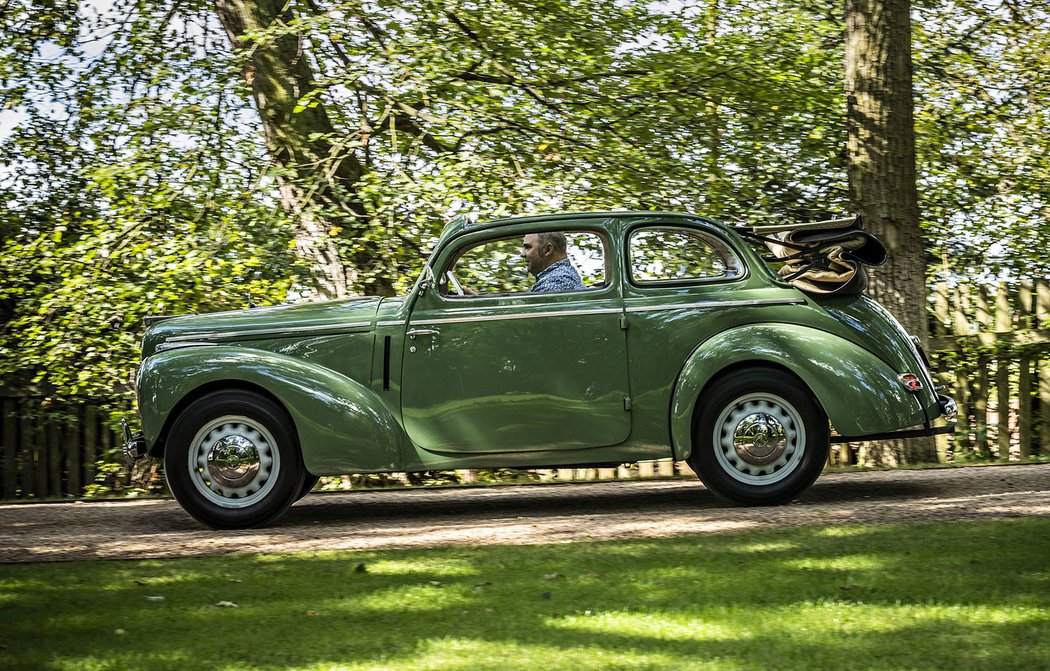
(671, 255)
(498, 266)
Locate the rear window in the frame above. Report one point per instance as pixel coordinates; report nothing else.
(661, 255)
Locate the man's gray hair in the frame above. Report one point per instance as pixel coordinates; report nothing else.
(556, 239)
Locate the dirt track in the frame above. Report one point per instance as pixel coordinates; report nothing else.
(515, 515)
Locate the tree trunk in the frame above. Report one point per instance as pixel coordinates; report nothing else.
(881, 165)
(882, 150)
(316, 182)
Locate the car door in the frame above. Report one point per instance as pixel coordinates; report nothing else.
(492, 368)
(682, 284)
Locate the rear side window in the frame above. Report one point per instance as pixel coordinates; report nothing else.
(674, 255)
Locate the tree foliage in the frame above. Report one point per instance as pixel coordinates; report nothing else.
(983, 86)
(128, 189)
(141, 174)
(447, 107)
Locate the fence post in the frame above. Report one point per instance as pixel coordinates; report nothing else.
(961, 327)
(981, 309)
(1024, 407)
(1024, 373)
(105, 444)
(1002, 373)
(942, 376)
(981, 387)
(90, 443)
(980, 407)
(55, 456)
(40, 450)
(665, 467)
(74, 482)
(28, 434)
(1042, 315)
(9, 417)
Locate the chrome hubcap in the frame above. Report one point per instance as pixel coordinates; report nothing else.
(759, 439)
(234, 461)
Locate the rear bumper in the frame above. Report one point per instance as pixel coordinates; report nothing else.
(945, 424)
(949, 409)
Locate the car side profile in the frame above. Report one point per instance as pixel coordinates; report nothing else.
(682, 343)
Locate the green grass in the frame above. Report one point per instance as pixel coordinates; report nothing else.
(924, 596)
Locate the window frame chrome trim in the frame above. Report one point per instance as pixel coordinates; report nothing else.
(698, 232)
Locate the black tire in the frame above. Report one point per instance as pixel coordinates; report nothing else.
(309, 480)
(760, 437)
(232, 460)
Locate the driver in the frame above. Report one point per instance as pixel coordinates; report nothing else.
(546, 258)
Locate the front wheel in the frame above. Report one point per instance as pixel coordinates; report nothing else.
(232, 460)
(760, 438)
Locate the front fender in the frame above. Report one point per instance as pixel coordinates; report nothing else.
(858, 391)
(342, 425)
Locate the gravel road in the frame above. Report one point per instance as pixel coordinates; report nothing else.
(529, 514)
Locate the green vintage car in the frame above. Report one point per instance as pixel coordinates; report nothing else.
(678, 341)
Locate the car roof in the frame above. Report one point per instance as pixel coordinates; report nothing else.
(464, 224)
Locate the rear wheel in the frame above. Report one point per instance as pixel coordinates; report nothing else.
(232, 460)
(308, 484)
(760, 437)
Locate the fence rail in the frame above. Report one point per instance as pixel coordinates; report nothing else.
(990, 348)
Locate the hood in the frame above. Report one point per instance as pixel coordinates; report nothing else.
(348, 315)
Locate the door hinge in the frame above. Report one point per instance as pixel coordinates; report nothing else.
(623, 323)
(627, 403)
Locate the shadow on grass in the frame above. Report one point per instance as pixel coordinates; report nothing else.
(962, 595)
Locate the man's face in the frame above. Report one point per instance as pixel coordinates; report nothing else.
(536, 257)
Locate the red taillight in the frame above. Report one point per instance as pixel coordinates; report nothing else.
(911, 381)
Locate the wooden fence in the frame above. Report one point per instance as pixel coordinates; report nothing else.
(52, 450)
(990, 348)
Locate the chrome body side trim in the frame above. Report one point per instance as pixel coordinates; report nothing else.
(608, 311)
(184, 343)
(716, 304)
(263, 333)
(517, 315)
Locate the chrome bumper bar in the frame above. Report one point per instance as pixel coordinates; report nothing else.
(134, 448)
(949, 410)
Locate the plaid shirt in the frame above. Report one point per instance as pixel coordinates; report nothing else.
(560, 276)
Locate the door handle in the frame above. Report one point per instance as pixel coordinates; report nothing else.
(412, 333)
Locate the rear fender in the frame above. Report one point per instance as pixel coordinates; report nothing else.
(342, 425)
(859, 392)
